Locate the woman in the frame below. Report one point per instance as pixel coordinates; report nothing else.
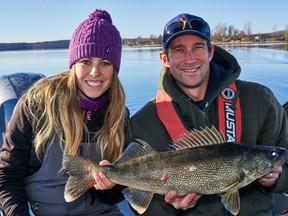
(77, 112)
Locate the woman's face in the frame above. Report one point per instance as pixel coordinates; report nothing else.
(93, 76)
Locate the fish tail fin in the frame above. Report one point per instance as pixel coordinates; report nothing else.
(138, 199)
(81, 177)
(231, 201)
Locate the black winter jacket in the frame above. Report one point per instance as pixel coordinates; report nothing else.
(19, 162)
(264, 122)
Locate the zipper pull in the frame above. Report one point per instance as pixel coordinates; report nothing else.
(88, 115)
(204, 111)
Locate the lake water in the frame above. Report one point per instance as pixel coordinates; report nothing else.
(140, 67)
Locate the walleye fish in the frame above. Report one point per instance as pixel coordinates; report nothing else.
(201, 161)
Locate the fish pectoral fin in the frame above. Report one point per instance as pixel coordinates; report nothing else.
(231, 186)
(231, 201)
(138, 199)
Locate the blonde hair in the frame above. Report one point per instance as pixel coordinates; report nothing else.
(53, 108)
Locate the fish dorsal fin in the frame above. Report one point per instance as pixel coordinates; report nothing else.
(195, 138)
(135, 150)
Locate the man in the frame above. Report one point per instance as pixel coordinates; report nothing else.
(199, 87)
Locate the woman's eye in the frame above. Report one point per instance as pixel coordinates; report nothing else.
(106, 63)
(85, 61)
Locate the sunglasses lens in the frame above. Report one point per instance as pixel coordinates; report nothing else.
(200, 26)
(197, 25)
(174, 28)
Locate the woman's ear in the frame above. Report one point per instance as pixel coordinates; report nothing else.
(164, 58)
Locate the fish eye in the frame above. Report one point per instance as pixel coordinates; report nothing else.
(274, 154)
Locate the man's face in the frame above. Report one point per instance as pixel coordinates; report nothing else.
(188, 59)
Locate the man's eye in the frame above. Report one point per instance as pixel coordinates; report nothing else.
(180, 50)
(200, 47)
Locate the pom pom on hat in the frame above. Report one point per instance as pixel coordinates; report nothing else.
(96, 37)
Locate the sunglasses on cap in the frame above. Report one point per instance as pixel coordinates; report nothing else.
(198, 26)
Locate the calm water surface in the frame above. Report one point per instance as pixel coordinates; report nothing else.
(140, 67)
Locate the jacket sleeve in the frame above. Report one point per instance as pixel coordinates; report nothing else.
(112, 196)
(275, 133)
(14, 159)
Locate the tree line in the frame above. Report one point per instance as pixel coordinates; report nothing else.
(224, 33)
(221, 33)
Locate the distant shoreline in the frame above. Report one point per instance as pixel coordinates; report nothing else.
(64, 44)
(60, 44)
(273, 37)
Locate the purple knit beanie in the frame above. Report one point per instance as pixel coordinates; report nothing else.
(96, 37)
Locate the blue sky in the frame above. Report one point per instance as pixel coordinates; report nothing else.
(39, 20)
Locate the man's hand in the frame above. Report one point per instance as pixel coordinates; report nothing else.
(270, 179)
(182, 202)
(102, 182)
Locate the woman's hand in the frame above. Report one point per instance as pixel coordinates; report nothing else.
(102, 182)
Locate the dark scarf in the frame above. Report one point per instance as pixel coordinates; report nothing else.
(91, 106)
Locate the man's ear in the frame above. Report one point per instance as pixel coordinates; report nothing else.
(211, 52)
(164, 58)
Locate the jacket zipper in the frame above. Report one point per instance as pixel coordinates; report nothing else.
(204, 112)
(81, 150)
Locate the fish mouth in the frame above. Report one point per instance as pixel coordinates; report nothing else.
(286, 156)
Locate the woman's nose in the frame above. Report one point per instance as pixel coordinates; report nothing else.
(94, 71)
